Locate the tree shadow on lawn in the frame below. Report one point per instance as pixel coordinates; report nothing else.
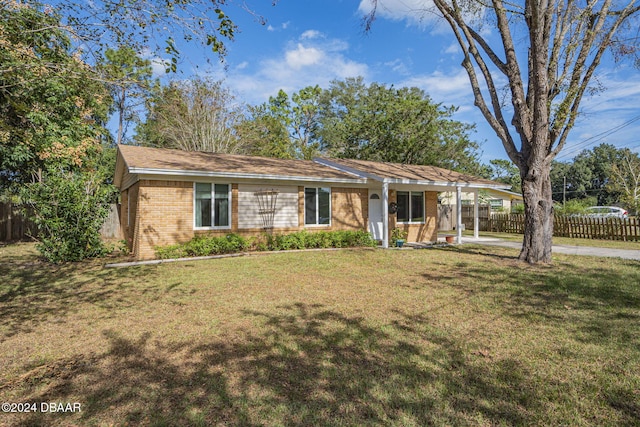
(306, 365)
(599, 301)
(33, 291)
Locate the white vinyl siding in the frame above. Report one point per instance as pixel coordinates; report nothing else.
(286, 215)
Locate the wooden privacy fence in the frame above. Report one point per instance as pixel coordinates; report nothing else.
(13, 224)
(16, 226)
(447, 217)
(574, 226)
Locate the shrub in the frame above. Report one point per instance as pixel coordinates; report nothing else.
(320, 239)
(172, 251)
(575, 206)
(204, 246)
(69, 210)
(232, 243)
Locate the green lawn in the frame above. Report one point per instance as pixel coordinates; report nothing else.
(462, 335)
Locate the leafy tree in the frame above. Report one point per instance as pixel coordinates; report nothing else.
(265, 133)
(154, 26)
(548, 53)
(402, 125)
(129, 81)
(591, 170)
(288, 126)
(506, 172)
(588, 175)
(51, 110)
(625, 179)
(69, 209)
(304, 121)
(51, 115)
(559, 172)
(193, 115)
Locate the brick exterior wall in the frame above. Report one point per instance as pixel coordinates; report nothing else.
(427, 232)
(164, 216)
(161, 213)
(349, 208)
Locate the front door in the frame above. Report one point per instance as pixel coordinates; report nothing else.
(375, 215)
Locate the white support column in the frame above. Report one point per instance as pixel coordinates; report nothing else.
(385, 215)
(476, 214)
(458, 214)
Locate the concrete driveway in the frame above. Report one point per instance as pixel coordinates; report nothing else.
(561, 249)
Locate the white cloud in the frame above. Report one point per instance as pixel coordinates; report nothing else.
(452, 88)
(610, 116)
(417, 12)
(282, 26)
(311, 34)
(242, 65)
(158, 64)
(453, 49)
(303, 56)
(398, 66)
(159, 67)
(420, 13)
(302, 63)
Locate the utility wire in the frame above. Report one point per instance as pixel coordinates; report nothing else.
(576, 148)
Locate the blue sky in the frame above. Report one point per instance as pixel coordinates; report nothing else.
(309, 42)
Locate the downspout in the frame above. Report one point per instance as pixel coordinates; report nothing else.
(458, 214)
(385, 214)
(476, 214)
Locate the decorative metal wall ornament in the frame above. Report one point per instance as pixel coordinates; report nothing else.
(267, 200)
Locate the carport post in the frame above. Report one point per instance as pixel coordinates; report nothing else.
(475, 214)
(385, 214)
(458, 214)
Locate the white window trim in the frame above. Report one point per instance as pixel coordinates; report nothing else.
(317, 208)
(213, 186)
(424, 208)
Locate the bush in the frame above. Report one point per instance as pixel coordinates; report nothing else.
(575, 206)
(170, 252)
(320, 239)
(232, 243)
(69, 210)
(204, 246)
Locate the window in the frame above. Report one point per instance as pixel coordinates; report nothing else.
(212, 205)
(410, 206)
(317, 206)
(496, 204)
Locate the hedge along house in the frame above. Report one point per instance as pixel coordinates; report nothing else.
(170, 196)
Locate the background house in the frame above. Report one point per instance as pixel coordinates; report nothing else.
(500, 200)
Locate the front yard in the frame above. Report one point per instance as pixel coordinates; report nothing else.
(450, 336)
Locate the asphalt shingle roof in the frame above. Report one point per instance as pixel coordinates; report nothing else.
(166, 159)
(397, 171)
(161, 160)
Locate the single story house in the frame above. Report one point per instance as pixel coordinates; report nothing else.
(500, 200)
(169, 196)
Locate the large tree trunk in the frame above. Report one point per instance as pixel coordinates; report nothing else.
(538, 222)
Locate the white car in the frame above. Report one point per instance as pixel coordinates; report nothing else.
(606, 212)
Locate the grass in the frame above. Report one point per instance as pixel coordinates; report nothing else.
(461, 335)
(608, 244)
